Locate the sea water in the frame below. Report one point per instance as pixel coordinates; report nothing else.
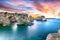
(38, 31)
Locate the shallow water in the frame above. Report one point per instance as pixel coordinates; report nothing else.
(38, 31)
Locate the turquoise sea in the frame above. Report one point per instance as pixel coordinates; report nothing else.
(38, 31)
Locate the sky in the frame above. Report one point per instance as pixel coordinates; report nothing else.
(46, 6)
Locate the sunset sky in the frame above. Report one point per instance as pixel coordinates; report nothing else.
(46, 6)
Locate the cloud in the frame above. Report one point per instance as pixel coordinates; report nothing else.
(10, 5)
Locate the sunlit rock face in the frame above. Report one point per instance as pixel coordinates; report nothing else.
(54, 36)
(4, 20)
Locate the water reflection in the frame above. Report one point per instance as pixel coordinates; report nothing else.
(14, 27)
